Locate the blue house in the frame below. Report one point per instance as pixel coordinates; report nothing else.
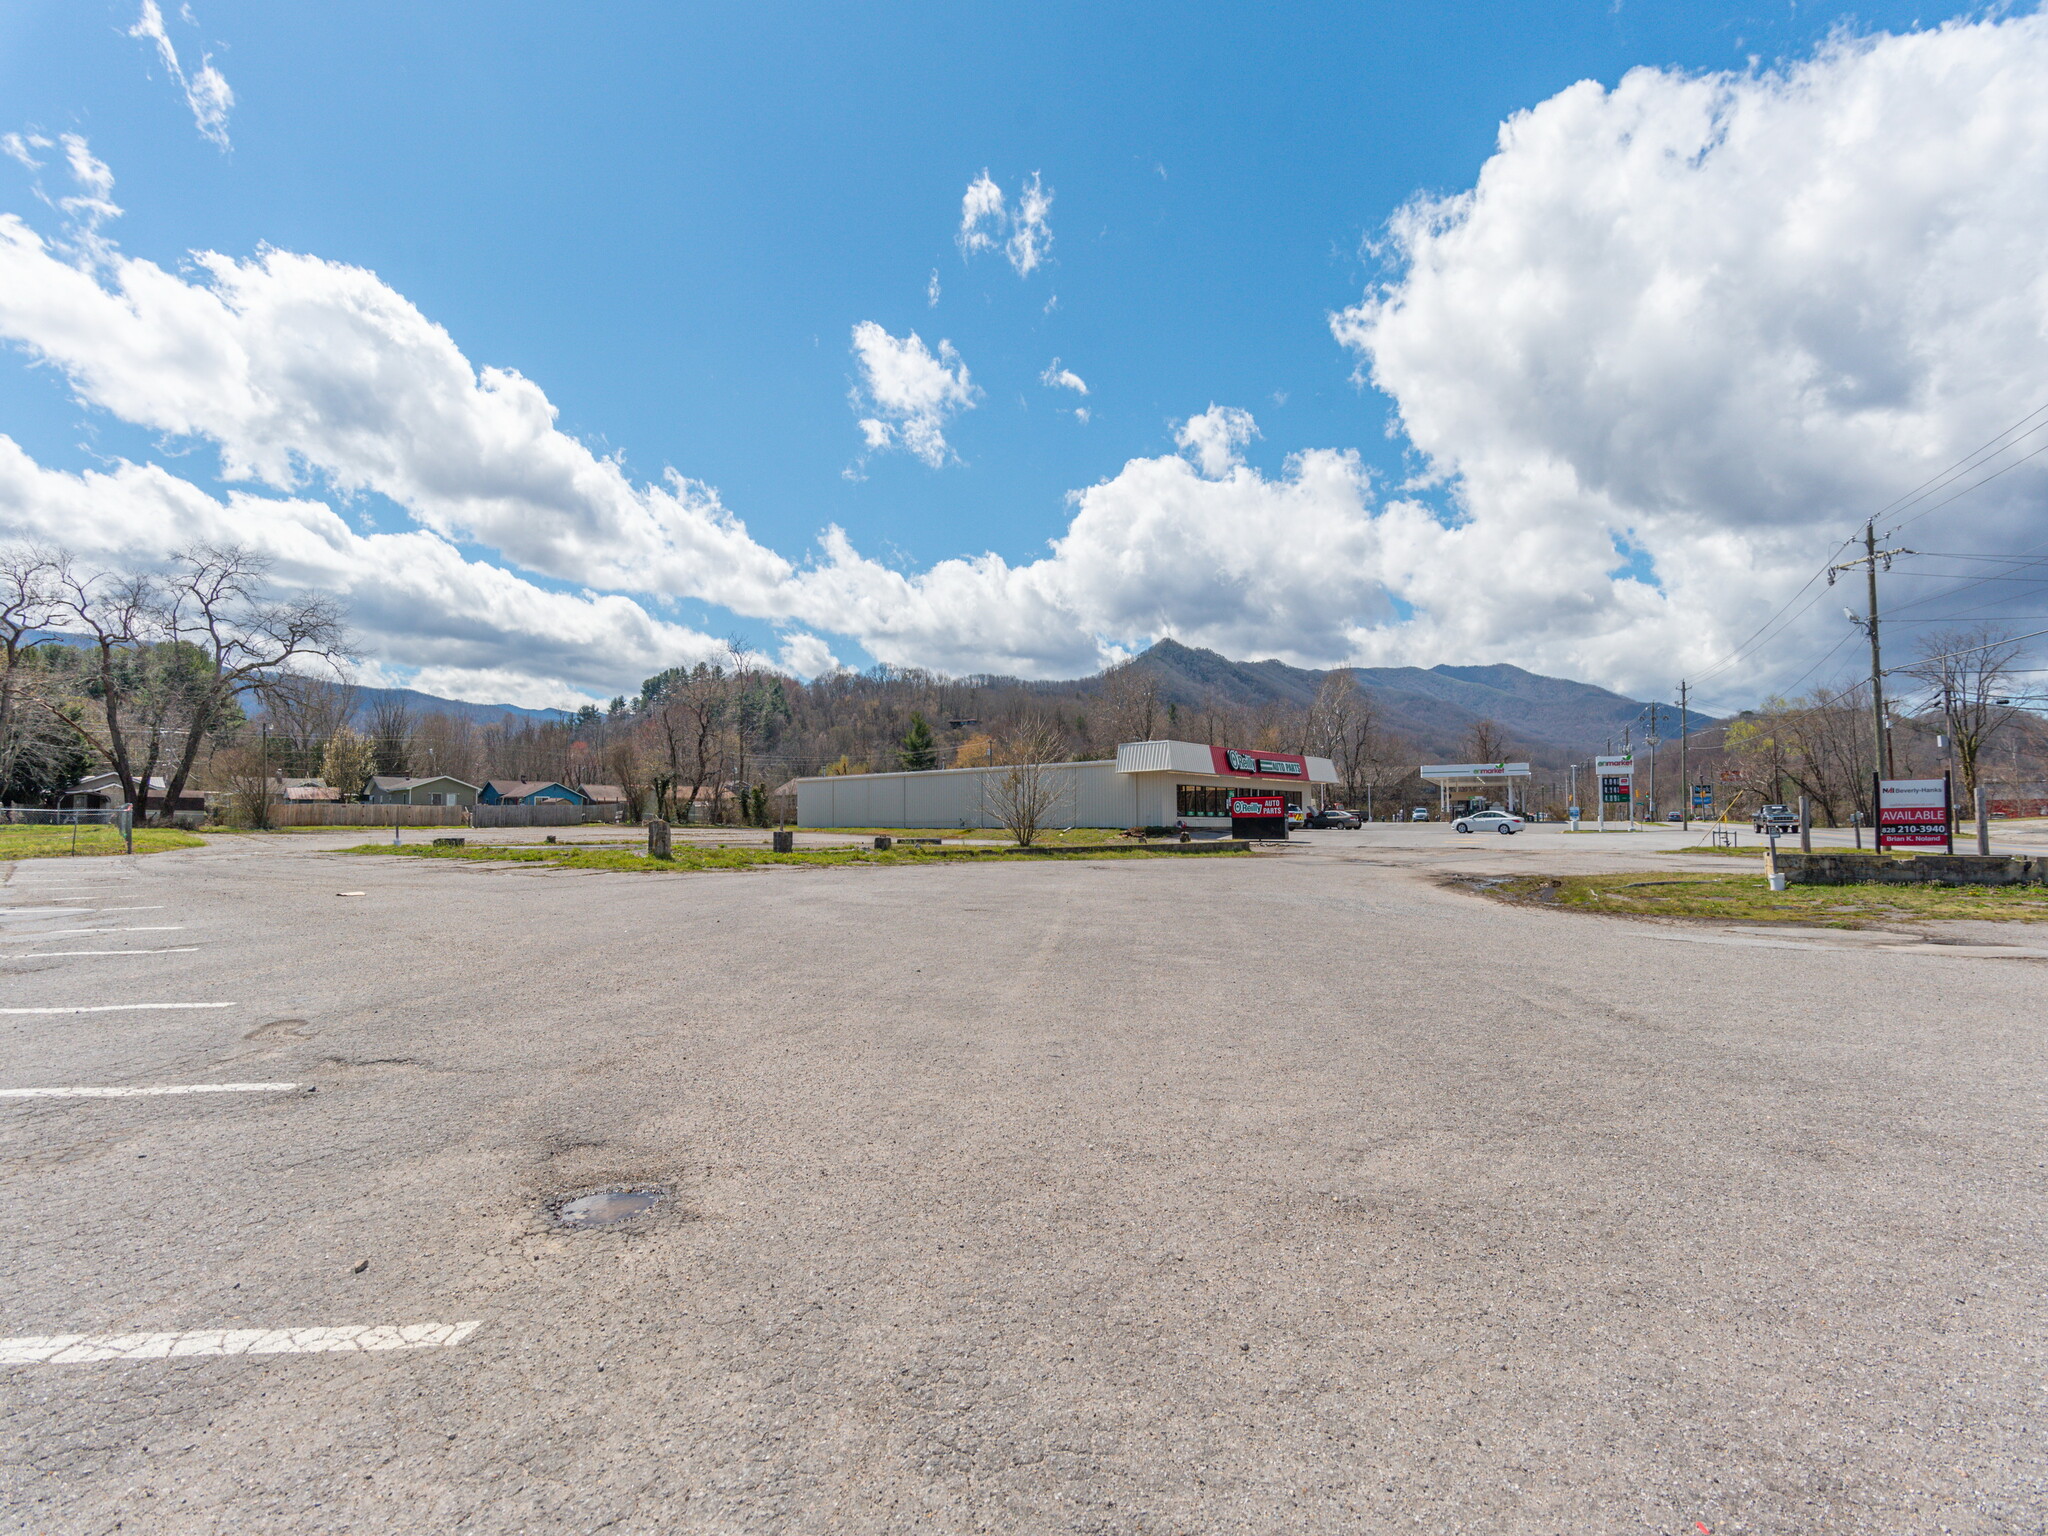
(529, 792)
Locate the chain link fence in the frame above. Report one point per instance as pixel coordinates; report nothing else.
(78, 831)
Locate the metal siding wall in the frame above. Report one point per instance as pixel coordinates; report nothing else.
(1098, 796)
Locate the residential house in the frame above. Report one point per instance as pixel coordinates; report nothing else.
(388, 789)
(528, 792)
(102, 791)
(304, 792)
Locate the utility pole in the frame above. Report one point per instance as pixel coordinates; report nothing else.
(1684, 764)
(1880, 745)
(1650, 740)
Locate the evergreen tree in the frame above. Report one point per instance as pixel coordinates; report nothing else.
(918, 751)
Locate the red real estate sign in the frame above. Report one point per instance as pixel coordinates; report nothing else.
(1913, 813)
(1257, 805)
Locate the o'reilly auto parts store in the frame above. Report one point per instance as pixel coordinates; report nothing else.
(1147, 784)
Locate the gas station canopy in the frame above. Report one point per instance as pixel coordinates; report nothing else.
(1470, 776)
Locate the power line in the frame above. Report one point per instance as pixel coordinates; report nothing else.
(2015, 464)
(1779, 621)
(1971, 650)
(1974, 459)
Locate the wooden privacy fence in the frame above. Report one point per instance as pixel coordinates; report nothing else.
(548, 814)
(324, 813)
(327, 813)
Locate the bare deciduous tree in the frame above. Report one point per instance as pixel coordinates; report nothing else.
(182, 649)
(28, 602)
(1129, 709)
(304, 711)
(1485, 743)
(1967, 674)
(392, 724)
(1028, 793)
(1817, 746)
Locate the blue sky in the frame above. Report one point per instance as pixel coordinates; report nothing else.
(671, 223)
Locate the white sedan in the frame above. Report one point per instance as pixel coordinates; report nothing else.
(1488, 821)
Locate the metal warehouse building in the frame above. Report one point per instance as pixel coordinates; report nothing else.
(1147, 784)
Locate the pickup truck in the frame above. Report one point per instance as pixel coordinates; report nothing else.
(1780, 819)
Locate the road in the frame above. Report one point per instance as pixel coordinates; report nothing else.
(1294, 1193)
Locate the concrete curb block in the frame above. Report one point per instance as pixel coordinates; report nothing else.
(1095, 850)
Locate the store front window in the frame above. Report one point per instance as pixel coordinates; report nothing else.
(1214, 799)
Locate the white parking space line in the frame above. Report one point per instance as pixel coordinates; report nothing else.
(72, 933)
(143, 1093)
(42, 914)
(83, 1348)
(53, 954)
(118, 1007)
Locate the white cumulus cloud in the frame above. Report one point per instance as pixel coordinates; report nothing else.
(471, 629)
(912, 392)
(982, 215)
(807, 655)
(1056, 377)
(1679, 336)
(1030, 229)
(1213, 438)
(206, 90)
(305, 371)
(1714, 321)
(985, 216)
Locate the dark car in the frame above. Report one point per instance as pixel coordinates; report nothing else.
(1333, 817)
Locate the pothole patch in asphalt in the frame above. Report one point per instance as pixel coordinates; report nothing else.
(606, 1208)
(299, 1027)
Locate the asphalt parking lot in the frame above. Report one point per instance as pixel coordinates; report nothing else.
(1292, 1193)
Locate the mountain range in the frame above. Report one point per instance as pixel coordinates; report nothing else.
(1438, 706)
(1548, 717)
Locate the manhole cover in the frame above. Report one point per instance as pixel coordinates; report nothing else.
(608, 1208)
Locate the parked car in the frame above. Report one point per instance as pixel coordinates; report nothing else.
(1781, 819)
(1420, 813)
(1332, 816)
(1488, 821)
(1296, 816)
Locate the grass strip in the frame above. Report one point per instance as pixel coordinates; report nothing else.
(569, 856)
(1747, 898)
(97, 841)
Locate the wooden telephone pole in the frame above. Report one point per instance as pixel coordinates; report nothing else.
(1684, 764)
(1880, 743)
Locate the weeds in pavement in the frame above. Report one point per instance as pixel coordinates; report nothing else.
(56, 842)
(1746, 898)
(688, 857)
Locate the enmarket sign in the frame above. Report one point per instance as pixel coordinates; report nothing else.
(1475, 770)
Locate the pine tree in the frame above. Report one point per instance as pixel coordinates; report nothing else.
(918, 751)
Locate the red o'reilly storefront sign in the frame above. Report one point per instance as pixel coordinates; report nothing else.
(1259, 765)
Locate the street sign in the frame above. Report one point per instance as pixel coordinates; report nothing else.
(1914, 813)
(1703, 797)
